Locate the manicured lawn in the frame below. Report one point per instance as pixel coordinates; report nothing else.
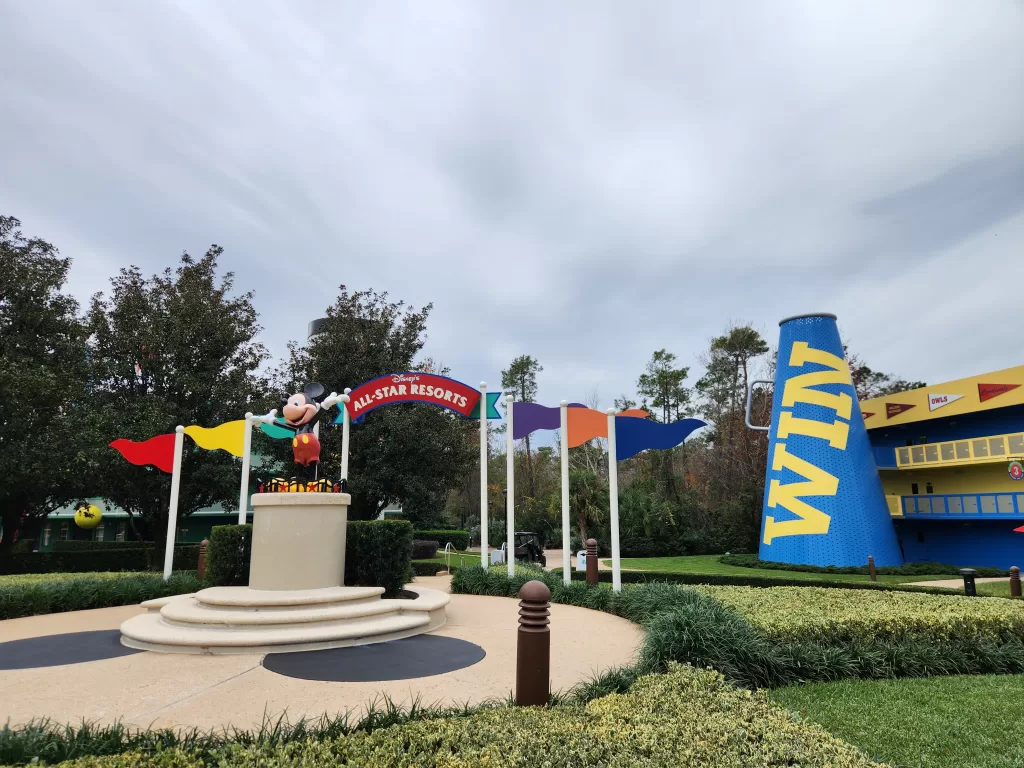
(709, 564)
(994, 589)
(470, 557)
(937, 722)
(33, 578)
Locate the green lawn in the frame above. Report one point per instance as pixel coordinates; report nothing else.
(709, 564)
(470, 558)
(31, 578)
(936, 722)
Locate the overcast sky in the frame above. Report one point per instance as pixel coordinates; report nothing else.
(581, 181)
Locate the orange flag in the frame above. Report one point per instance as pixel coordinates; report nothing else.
(585, 423)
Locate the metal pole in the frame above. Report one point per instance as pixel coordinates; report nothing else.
(613, 499)
(533, 646)
(172, 512)
(484, 554)
(243, 493)
(346, 422)
(563, 438)
(510, 489)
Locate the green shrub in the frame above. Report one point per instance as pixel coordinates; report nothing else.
(909, 569)
(685, 717)
(458, 539)
(378, 553)
(838, 616)
(228, 555)
(672, 577)
(89, 591)
(186, 557)
(430, 568)
(423, 550)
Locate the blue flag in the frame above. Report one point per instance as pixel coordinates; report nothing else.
(635, 435)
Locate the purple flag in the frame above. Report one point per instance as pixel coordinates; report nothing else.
(529, 417)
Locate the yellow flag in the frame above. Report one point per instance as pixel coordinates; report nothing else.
(229, 436)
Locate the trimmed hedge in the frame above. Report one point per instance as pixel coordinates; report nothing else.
(459, 539)
(685, 717)
(909, 569)
(186, 557)
(671, 577)
(688, 626)
(423, 550)
(378, 553)
(85, 592)
(87, 545)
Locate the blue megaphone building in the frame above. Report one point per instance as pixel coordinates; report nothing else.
(823, 501)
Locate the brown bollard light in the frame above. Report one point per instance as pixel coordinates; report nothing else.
(533, 656)
(1015, 581)
(201, 565)
(871, 568)
(969, 588)
(592, 562)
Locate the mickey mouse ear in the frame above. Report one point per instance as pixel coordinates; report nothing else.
(313, 390)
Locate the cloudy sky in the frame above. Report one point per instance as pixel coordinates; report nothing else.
(582, 181)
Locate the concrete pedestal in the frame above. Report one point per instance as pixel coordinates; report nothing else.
(298, 540)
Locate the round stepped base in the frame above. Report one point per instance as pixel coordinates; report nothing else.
(224, 620)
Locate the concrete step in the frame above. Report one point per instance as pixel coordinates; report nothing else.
(191, 611)
(148, 631)
(261, 598)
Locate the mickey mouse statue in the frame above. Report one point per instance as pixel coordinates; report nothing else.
(301, 413)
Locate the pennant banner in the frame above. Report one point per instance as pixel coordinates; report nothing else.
(276, 432)
(585, 423)
(938, 401)
(492, 407)
(229, 436)
(529, 417)
(633, 435)
(988, 391)
(895, 409)
(158, 451)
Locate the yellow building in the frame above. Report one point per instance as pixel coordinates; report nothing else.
(947, 458)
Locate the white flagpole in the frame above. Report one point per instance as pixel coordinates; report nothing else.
(172, 513)
(613, 498)
(510, 489)
(346, 421)
(563, 437)
(484, 554)
(243, 493)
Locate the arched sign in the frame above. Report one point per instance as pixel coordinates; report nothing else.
(412, 387)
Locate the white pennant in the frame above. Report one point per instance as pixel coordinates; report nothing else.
(937, 401)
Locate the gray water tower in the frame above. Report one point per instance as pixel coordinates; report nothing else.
(315, 327)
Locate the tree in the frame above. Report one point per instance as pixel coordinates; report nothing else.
(520, 379)
(174, 348)
(409, 452)
(727, 374)
(42, 381)
(662, 384)
(870, 384)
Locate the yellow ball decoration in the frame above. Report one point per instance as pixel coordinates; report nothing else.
(88, 516)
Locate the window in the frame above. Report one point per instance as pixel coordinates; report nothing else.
(920, 537)
(63, 531)
(46, 535)
(119, 536)
(928, 488)
(913, 488)
(182, 534)
(98, 532)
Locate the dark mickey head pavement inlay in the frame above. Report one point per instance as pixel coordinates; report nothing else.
(59, 650)
(420, 656)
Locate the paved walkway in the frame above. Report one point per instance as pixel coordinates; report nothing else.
(158, 690)
(956, 583)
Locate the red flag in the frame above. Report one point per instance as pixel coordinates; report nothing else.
(158, 451)
(988, 391)
(895, 409)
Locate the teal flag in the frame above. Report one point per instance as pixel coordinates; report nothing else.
(276, 432)
(492, 407)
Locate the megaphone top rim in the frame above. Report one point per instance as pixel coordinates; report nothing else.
(829, 315)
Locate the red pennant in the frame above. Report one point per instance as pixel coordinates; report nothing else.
(895, 409)
(158, 451)
(867, 415)
(988, 391)
(1019, 530)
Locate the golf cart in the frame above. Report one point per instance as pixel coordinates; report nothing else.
(529, 548)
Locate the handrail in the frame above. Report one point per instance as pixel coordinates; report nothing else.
(750, 397)
(985, 449)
